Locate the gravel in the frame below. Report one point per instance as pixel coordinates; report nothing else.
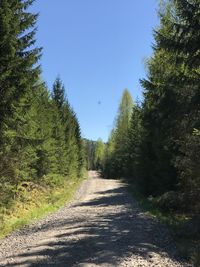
(103, 226)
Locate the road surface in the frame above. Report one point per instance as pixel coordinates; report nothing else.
(103, 226)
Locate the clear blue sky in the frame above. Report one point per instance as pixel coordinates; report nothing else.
(98, 48)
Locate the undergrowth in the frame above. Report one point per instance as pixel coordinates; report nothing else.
(35, 201)
(183, 227)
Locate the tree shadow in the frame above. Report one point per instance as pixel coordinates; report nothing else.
(107, 238)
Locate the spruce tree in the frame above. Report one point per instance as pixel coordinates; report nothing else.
(183, 41)
(170, 117)
(19, 74)
(58, 134)
(18, 57)
(58, 95)
(134, 144)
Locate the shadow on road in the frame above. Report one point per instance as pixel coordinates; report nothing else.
(102, 239)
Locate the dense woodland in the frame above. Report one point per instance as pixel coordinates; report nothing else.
(154, 144)
(40, 138)
(94, 154)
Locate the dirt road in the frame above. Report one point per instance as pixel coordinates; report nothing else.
(103, 227)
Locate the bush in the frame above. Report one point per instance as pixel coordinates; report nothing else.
(53, 180)
(7, 193)
(170, 201)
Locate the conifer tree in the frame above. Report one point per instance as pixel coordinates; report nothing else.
(183, 41)
(170, 115)
(99, 154)
(89, 151)
(40, 137)
(18, 72)
(58, 95)
(77, 152)
(121, 132)
(119, 138)
(134, 144)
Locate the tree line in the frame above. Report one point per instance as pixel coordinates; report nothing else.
(156, 143)
(94, 154)
(40, 136)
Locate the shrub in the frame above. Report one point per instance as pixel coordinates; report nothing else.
(53, 180)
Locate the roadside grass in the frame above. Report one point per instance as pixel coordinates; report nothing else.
(184, 233)
(35, 204)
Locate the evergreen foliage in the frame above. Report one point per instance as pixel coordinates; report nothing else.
(18, 72)
(95, 154)
(89, 148)
(159, 148)
(99, 154)
(161, 144)
(40, 136)
(117, 147)
(156, 145)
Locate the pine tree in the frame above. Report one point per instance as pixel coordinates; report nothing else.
(18, 71)
(134, 144)
(184, 36)
(60, 117)
(19, 74)
(58, 95)
(78, 145)
(42, 106)
(70, 153)
(159, 117)
(183, 41)
(40, 137)
(171, 109)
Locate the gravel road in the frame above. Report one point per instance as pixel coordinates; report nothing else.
(103, 226)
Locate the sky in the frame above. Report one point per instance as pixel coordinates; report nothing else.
(98, 48)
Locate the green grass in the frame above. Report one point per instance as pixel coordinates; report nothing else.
(149, 207)
(36, 205)
(188, 244)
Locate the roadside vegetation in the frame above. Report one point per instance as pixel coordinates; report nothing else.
(41, 150)
(183, 228)
(94, 153)
(155, 144)
(35, 201)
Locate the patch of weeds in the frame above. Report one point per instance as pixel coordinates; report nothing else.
(34, 204)
(184, 229)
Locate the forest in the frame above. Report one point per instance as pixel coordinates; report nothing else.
(40, 138)
(154, 144)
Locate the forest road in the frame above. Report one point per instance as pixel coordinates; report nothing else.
(103, 226)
